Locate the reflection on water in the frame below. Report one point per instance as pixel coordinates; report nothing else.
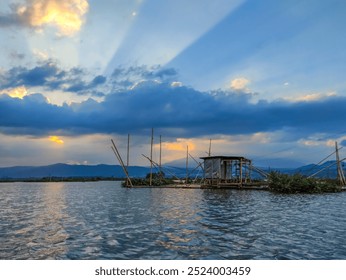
(177, 216)
(32, 221)
(104, 221)
(49, 225)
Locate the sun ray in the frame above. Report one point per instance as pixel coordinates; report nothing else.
(160, 43)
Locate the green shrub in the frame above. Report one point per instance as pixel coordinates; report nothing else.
(297, 183)
(156, 181)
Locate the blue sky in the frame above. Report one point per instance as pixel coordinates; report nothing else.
(264, 79)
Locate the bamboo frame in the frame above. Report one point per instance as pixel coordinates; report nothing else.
(117, 154)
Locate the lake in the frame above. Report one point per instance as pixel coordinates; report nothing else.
(102, 220)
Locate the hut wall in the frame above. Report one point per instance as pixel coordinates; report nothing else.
(225, 169)
(212, 168)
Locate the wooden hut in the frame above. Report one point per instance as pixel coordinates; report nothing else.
(226, 170)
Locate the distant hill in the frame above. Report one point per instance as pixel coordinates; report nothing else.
(115, 171)
(68, 170)
(326, 170)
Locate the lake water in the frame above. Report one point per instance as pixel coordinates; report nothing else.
(102, 220)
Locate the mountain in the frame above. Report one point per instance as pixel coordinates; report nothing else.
(115, 171)
(278, 163)
(67, 170)
(326, 170)
(265, 163)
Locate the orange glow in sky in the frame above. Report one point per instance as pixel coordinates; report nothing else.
(66, 15)
(18, 92)
(180, 145)
(56, 139)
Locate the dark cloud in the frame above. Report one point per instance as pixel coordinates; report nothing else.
(124, 77)
(49, 76)
(10, 20)
(177, 111)
(98, 80)
(30, 115)
(37, 76)
(80, 87)
(17, 55)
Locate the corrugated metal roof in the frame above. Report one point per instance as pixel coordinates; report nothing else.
(225, 157)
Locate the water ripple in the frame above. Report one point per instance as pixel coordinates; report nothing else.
(104, 221)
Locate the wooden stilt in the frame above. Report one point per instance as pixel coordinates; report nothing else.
(151, 157)
(199, 164)
(241, 172)
(128, 151)
(157, 166)
(209, 153)
(117, 154)
(160, 154)
(187, 164)
(340, 172)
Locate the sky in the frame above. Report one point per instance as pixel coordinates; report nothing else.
(262, 79)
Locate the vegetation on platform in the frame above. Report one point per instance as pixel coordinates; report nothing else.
(298, 183)
(158, 179)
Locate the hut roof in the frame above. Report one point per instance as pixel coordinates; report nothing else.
(225, 157)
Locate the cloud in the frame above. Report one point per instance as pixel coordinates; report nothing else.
(56, 139)
(239, 84)
(17, 92)
(179, 145)
(176, 84)
(81, 87)
(17, 56)
(50, 76)
(311, 96)
(180, 112)
(65, 15)
(9, 20)
(41, 55)
(126, 77)
(41, 75)
(343, 143)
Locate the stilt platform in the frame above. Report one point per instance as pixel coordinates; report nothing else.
(201, 186)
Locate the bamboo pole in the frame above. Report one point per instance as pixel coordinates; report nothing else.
(259, 171)
(187, 164)
(157, 165)
(125, 171)
(160, 153)
(128, 151)
(337, 162)
(325, 168)
(209, 153)
(117, 154)
(317, 164)
(340, 173)
(160, 160)
(241, 172)
(151, 157)
(199, 164)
